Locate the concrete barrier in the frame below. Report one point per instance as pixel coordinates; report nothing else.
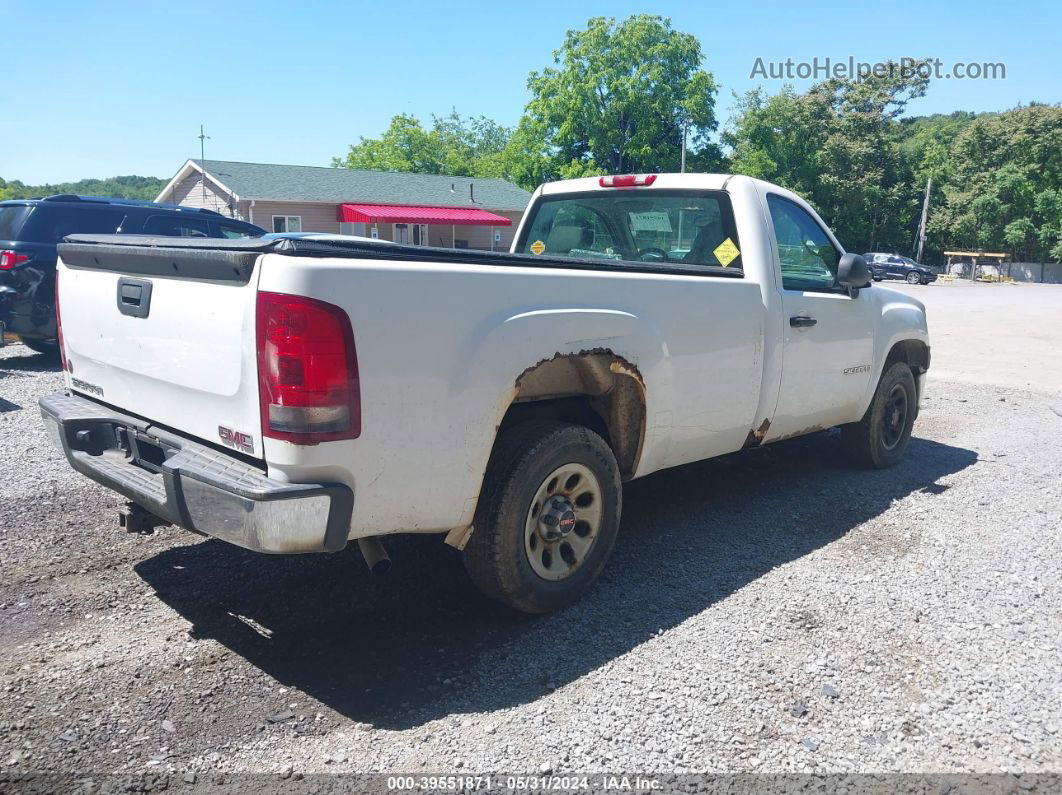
(1024, 271)
(1045, 272)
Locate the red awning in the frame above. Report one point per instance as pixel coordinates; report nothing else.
(398, 214)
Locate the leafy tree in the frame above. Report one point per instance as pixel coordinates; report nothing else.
(838, 145)
(131, 187)
(454, 145)
(1003, 184)
(616, 102)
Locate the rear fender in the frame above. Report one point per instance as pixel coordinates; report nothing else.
(506, 349)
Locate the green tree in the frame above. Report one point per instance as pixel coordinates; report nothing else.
(838, 145)
(616, 102)
(1003, 184)
(454, 145)
(131, 187)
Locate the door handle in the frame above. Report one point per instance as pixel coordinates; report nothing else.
(802, 321)
(134, 297)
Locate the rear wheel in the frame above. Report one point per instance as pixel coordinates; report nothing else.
(913, 278)
(880, 439)
(49, 349)
(547, 518)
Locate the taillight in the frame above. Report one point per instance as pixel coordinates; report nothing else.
(627, 180)
(59, 324)
(307, 370)
(9, 259)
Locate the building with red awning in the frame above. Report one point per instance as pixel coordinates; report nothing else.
(416, 209)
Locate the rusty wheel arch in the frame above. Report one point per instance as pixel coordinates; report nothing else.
(596, 388)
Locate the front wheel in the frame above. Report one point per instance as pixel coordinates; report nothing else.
(913, 278)
(880, 439)
(547, 518)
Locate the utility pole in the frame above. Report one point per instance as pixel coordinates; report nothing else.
(682, 170)
(202, 156)
(682, 165)
(921, 239)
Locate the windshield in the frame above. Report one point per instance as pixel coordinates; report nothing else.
(655, 226)
(11, 219)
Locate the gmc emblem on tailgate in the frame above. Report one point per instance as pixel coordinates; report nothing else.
(236, 439)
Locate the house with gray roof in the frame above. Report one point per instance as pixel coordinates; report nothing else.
(420, 209)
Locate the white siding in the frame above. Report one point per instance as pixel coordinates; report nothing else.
(189, 193)
(475, 236)
(315, 217)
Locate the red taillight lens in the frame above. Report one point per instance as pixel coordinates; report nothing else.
(307, 370)
(9, 259)
(627, 180)
(59, 324)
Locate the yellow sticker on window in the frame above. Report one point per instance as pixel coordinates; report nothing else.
(726, 252)
(537, 247)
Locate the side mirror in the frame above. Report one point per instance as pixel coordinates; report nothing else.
(853, 273)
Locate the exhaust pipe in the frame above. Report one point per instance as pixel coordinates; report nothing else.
(375, 555)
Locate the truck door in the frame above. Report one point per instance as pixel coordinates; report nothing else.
(828, 348)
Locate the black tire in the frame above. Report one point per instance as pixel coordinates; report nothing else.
(496, 557)
(877, 278)
(880, 439)
(44, 347)
(913, 278)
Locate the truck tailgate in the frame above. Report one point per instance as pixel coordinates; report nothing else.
(166, 332)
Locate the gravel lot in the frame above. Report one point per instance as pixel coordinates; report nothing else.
(773, 611)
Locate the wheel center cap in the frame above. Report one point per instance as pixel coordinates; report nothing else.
(557, 519)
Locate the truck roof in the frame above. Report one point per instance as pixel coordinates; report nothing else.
(688, 181)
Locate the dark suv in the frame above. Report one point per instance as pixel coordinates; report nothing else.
(30, 229)
(893, 266)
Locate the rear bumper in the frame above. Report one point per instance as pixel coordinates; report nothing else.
(195, 486)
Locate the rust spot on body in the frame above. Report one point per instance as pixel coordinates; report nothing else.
(756, 435)
(617, 364)
(613, 386)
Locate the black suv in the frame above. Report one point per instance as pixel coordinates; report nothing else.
(30, 229)
(893, 266)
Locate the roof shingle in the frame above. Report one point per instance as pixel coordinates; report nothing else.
(319, 184)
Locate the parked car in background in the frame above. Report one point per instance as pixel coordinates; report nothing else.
(893, 266)
(31, 228)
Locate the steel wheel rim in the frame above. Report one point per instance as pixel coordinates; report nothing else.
(894, 417)
(557, 549)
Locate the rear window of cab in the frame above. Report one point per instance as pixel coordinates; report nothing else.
(661, 227)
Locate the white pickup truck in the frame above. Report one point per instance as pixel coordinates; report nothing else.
(292, 395)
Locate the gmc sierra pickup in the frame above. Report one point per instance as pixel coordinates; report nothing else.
(291, 395)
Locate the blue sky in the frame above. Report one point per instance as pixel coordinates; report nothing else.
(96, 89)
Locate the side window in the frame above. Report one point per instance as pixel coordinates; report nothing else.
(88, 221)
(176, 226)
(287, 223)
(235, 231)
(808, 258)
